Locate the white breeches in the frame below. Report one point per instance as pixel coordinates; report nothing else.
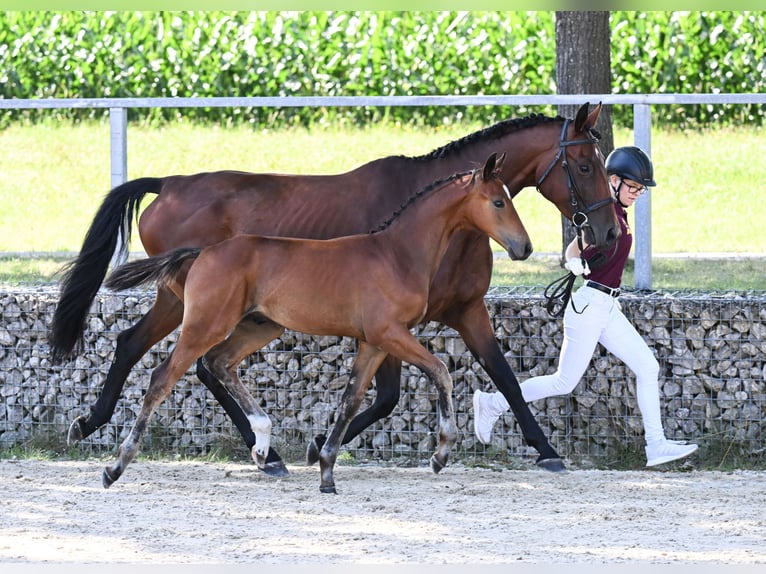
(602, 321)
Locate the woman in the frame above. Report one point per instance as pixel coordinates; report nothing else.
(594, 316)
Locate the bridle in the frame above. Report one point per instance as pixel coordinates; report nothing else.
(580, 217)
(559, 292)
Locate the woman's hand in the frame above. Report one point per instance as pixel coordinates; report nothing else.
(577, 266)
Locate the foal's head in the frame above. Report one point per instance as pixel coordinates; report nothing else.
(492, 210)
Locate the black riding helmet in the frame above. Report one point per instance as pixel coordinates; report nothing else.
(630, 162)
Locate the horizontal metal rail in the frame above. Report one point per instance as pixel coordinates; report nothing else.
(360, 101)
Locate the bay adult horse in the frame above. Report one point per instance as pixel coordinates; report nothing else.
(559, 156)
(243, 292)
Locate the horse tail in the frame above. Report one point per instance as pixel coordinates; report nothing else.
(82, 277)
(151, 269)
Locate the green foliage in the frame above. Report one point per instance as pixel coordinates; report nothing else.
(198, 54)
(690, 53)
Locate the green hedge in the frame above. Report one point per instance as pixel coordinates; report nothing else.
(165, 54)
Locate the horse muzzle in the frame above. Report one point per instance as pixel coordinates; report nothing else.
(518, 250)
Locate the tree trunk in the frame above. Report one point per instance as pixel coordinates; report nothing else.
(583, 66)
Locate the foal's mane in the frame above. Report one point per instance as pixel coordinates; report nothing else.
(438, 184)
(495, 131)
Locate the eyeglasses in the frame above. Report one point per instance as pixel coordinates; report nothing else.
(639, 189)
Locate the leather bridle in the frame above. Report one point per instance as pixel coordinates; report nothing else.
(580, 216)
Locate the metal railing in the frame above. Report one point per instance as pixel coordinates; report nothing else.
(642, 127)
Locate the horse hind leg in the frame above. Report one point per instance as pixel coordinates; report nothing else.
(222, 362)
(274, 466)
(201, 331)
(162, 382)
(164, 316)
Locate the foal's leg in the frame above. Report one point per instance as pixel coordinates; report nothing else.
(404, 345)
(203, 328)
(274, 466)
(387, 391)
(368, 359)
(162, 382)
(473, 323)
(164, 316)
(223, 361)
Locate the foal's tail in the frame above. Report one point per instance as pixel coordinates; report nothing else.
(150, 269)
(83, 276)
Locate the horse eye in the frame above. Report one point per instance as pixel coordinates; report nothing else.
(499, 203)
(585, 169)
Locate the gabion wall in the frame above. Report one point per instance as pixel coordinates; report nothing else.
(711, 349)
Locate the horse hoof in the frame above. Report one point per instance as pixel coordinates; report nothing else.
(552, 465)
(107, 478)
(436, 466)
(75, 434)
(277, 469)
(328, 489)
(313, 449)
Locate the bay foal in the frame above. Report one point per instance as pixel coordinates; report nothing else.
(242, 293)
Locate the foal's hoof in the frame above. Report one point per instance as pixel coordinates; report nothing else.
(276, 468)
(108, 477)
(551, 464)
(314, 448)
(75, 434)
(436, 464)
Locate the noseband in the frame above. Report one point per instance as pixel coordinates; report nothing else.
(580, 217)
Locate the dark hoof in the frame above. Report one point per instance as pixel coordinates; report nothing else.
(75, 434)
(437, 466)
(107, 478)
(277, 469)
(314, 448)
(552, 464)
(328, 490)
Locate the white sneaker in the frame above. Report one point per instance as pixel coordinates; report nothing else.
(667, 450)
(485, 416)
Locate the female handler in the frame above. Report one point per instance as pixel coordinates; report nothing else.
(594, 316)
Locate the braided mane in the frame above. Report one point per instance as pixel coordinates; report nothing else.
(438, 184)
(495, 131)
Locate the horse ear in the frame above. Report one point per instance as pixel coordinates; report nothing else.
(585, 121)
(492, 166)
(499, 164)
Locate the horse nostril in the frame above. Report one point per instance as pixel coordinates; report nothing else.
(528, 251)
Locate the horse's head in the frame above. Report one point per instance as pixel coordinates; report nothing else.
(495, 213)
(580, 189)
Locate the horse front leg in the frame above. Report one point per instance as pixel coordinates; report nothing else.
(387, 392)
(367, 361)
(164, 316)
(406, 347)
(475, 327)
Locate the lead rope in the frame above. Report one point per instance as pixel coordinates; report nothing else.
(559, 292)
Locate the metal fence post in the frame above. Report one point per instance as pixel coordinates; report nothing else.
(642, 137)
(118, 137)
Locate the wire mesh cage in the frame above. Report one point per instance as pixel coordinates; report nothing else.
(711, 350)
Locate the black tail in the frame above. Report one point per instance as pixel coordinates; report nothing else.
(150, 269)
(82, 277)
